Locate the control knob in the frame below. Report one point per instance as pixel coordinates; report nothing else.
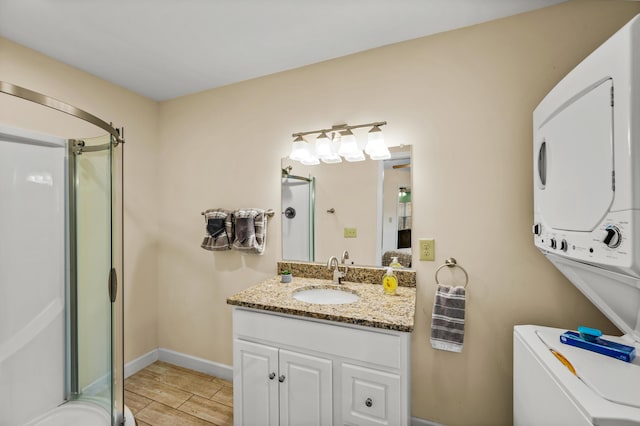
(537, 229)
(564, 246)
(552, 243)
(612, 237)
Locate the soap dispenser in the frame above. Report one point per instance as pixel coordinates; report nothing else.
(394, 263)
(390, 282)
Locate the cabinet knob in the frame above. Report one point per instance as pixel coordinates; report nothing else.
(281, 379)
(368, 402)
(272, 376)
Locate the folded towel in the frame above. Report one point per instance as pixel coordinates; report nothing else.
(447, 320)
(251, 230)
(219, 230)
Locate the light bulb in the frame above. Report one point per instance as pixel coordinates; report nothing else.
(323, 146)
(348, 144)
(299, 149)
(376, 147)
(356, 156)
(333, 145)
(310, 160)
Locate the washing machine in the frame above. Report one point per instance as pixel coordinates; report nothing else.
(586, 161)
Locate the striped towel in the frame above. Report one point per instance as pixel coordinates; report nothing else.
(219, 230)
(251, 230)
(447, 321)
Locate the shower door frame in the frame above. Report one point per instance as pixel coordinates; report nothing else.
(49, 102)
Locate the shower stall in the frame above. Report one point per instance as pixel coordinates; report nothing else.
(61, 311)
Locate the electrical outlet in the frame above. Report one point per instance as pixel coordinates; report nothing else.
(350, 232)
(427, 249)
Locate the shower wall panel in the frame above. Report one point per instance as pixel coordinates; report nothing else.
(32, 275)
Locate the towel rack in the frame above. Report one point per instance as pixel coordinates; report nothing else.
(452, 263)
(268, 213)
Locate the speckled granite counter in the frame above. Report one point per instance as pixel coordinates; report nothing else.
(373, 309)
(355, 273)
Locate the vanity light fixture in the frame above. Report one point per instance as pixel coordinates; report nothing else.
(349, 146)
(301, 152)
(299, 149)
(339, 142)
(376, 147)
(326, 149)
(323, 145)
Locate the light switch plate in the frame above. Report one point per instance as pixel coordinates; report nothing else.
(350, 232)
(427, 249)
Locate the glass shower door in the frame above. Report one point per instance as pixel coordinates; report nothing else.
(298, 222)
(93, 314)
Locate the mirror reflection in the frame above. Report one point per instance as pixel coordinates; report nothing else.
(362, 207)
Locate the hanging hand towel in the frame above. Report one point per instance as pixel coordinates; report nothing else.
(219, 230)
(447, 321)
(251, 230)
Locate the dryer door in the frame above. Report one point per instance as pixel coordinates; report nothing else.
(573, 161)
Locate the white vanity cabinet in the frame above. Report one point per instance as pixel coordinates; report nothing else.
(299, 371)
(285, 387)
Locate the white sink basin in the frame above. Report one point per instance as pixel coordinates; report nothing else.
(326, 296)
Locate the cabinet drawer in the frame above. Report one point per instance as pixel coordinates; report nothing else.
(370, 397)
(385, 347)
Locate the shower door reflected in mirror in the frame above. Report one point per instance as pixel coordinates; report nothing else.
(362, 195)
(298, 230)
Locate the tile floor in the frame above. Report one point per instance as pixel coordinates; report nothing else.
(167, 395)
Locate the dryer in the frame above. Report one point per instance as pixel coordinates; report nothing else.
(586, 141)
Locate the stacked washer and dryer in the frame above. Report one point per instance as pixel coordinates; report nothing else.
(587, 223)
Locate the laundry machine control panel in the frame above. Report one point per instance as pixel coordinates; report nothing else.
(609, 244)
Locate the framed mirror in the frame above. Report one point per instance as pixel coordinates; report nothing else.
(362, 207)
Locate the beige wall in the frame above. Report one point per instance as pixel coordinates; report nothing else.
(464, 100)
(139, 116)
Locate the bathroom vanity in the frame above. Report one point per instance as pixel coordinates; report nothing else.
(326, 364)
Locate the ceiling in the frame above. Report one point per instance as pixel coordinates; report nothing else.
(163, 49)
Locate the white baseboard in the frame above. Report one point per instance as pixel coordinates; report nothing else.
(132, 367)
(421, 422)
(204, 366)
(198, 364)
(182, 360)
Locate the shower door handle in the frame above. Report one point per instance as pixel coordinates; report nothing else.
(113, 285)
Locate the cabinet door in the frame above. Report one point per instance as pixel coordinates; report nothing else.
(370, 397)
(255, 384)
(305, 390)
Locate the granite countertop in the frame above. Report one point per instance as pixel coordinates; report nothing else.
(373, 309)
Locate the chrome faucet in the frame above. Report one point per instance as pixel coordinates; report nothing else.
(337, 275)
(345, 256)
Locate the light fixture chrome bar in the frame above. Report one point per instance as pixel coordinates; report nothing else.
(39, 98)
(339, 127)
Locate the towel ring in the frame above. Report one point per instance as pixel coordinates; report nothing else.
(451, 262)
